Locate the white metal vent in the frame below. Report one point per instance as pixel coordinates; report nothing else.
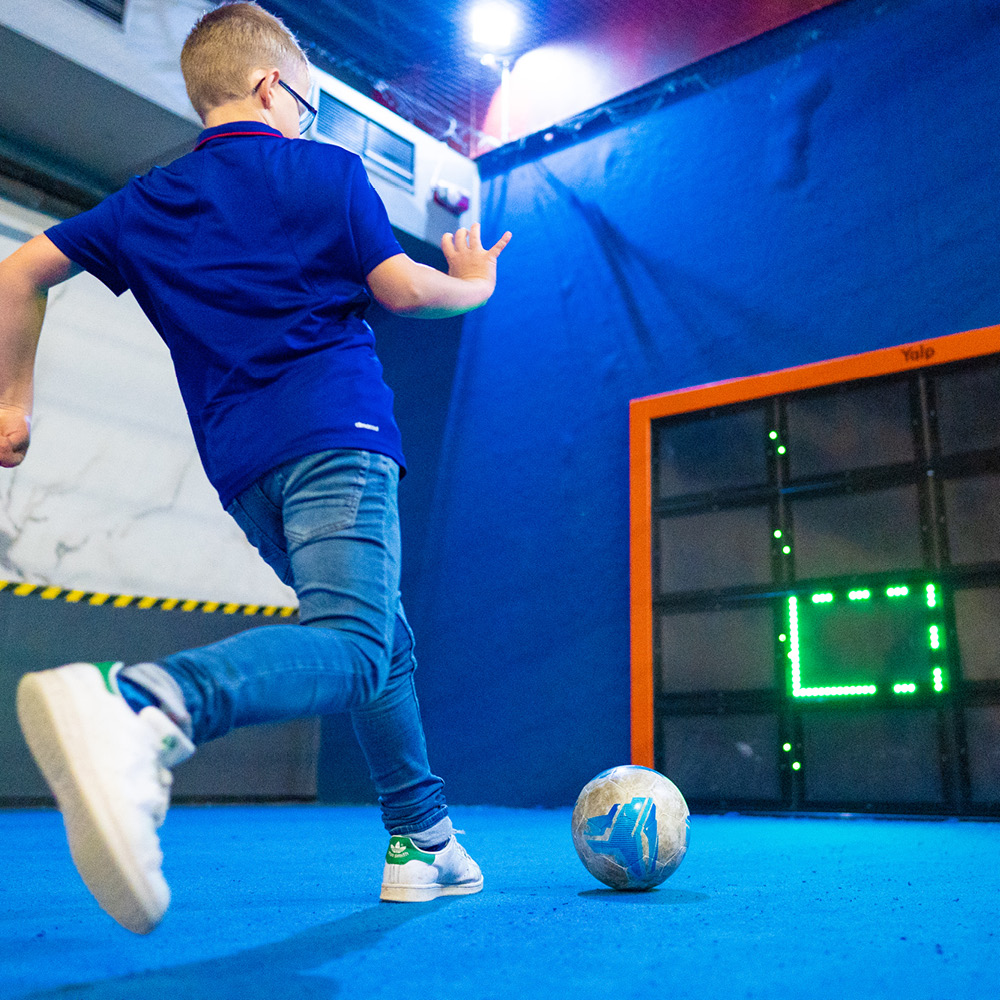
(381, 147)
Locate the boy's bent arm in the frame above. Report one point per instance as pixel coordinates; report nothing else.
(25, 278)
(407, 288)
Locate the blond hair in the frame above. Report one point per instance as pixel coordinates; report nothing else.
(224, 48)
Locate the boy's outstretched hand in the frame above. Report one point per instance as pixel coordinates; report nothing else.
(15, 430)
(407, 288)
(468, 259)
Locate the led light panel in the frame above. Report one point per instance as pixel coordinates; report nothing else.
(857, 642)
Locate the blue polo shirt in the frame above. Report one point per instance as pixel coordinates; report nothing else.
(249, 256)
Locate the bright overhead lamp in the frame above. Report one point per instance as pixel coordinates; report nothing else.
(493, 26)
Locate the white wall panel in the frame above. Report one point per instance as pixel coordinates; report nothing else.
(142, 55)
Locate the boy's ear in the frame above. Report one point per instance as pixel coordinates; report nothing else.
(268, 81)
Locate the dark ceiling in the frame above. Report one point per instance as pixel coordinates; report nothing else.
(415, 56)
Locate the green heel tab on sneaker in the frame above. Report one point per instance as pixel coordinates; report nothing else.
(109, 672)
(402, 849)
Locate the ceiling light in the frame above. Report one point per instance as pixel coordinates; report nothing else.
(493, 26)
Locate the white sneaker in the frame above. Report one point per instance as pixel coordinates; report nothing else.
(107, 767)
(415, 876)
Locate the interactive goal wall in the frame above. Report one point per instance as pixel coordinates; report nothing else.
(816, 584)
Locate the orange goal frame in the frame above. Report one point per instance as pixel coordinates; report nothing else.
(642, 412)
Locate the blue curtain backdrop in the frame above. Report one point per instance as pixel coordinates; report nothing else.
(837, 195)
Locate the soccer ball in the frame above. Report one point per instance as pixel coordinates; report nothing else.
(630, 827)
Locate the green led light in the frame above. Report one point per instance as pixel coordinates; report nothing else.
(777, 532)
(786, 549)
(782, 637)
(773, 435)
(834, 692)
(796, 766)
(781, 449)
(787, 747)
(811, 666)
(793, 653)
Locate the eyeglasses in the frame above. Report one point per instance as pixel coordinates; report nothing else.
(307, 116)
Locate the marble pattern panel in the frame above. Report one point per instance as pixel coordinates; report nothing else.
(112, 496)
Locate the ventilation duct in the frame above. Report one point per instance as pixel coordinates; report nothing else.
(428, 187)
(381, 149)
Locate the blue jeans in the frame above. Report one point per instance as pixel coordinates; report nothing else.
(328, 525)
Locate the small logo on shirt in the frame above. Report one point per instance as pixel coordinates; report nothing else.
(365, 427)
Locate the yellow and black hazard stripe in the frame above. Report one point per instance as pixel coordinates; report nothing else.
(146, 603)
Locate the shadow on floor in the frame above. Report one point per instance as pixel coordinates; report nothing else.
(284, 969)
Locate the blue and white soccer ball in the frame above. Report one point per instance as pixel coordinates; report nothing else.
(630, 827)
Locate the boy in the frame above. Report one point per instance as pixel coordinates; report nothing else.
(253, 257)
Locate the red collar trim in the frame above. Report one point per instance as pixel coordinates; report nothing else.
(224, 135)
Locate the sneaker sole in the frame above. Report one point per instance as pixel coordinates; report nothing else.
(53, 729)
(425, 893)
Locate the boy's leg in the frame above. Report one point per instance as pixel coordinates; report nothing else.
(388, 727)
(424, 860)
(342, 555)
(287, 671)
(342, 528)
(328, 524)
(391, 734)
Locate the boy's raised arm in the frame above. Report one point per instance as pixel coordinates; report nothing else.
(25, 278)
(407, 288)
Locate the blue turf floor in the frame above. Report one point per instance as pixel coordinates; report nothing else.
(282, 902)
